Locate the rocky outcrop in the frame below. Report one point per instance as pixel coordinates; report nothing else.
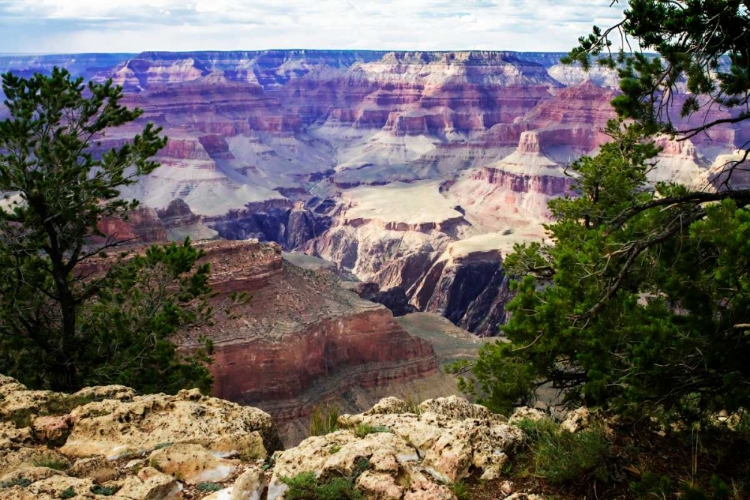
(394, 299)
(302, 339)
(141, 225)
(127, 447)
(180, 222)
(406, 455)
(159, 447)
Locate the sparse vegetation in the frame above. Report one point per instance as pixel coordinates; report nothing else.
(68, 492)
(307, 486)
(413, 404)
(161, 446)
(363, 429)
(559, 456)
(19, 481)
(460, 490)
(52, 462)
(106, 491)
(207, 487)
(324, 420)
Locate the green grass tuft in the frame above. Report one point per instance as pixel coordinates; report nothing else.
(559, 456)
(306, 486)
(324, 420)
(364, 429)
(51, 462)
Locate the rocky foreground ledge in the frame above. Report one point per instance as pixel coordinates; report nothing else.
(110, 442)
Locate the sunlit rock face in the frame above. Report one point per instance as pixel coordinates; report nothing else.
(379, 162)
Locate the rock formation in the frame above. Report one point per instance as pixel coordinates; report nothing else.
(108, 442)
(302, 340)
(376, 161)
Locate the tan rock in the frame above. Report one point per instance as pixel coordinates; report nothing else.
(32, 474)
(506, 487)
(428, 490)
(19, 493)
(524, 496)
(454, 408)
(102, 392)
(11, 460)
(249, 486)
(389, 405)
(192, 463)
(223, 494)
(475, 443)
(576, 420)
(526, 413)
(315, 455)
(55, 485)
(97, 468)
(150, 484)
(379, 486)
(9, 385)
(115, 428)
(12, 437)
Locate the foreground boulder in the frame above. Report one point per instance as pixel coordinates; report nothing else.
(118, 428)
(108, 442)
(389, 453)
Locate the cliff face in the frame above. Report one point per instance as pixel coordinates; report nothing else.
(302, 339)
(375, 161)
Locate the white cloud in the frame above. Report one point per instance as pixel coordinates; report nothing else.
(136, 25)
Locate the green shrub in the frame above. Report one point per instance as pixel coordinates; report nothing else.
(560, 456)
(306, 486)
(208, 487)
(460, 490)
(51, 462)
(652, 486)
(718, 490)
(413, 405)
(19, 481)
(106, 491)
(68, 492)
(324, 420)
(365, 429)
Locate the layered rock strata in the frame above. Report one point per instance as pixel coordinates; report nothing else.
(302, 339)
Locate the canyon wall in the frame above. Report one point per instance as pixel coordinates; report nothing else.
(380, 162)
(302, 340)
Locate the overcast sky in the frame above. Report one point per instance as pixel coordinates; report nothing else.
(59, 26)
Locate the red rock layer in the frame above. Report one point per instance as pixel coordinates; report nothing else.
(301, 339)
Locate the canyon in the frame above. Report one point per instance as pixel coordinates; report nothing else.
(364, 195)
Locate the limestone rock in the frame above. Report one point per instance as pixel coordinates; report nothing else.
(576, 420)
(102, 392)
(32, 474)
(454, 408)
(526, 413)
(55, 485)
(249, 485)
(150, 484)
(114, 428)
(13, 437)
(389, 405)
(379, 486)
(192, 463)
(97, 468)
(11, 460)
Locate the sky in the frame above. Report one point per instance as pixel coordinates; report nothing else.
(75, 26)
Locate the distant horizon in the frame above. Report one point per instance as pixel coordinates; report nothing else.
(31, 54)
(53, 27)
